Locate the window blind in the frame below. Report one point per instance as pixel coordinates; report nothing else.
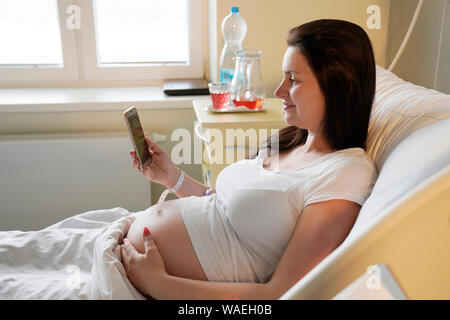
(142, 31)
(29, 33)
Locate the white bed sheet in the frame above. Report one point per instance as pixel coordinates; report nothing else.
(77, 258)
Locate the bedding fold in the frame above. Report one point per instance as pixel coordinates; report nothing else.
(76, 258)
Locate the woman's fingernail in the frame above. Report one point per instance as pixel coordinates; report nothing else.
(146, 231)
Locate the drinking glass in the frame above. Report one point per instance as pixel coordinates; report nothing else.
(220, 94)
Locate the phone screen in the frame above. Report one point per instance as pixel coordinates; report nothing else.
(137, 133)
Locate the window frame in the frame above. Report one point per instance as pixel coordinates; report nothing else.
(92, 71)
(80, 62)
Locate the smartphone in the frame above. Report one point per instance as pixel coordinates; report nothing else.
(137, 137)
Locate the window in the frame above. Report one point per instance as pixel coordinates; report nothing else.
(35, 45)
(142, 31)
(100, 40)
(36, 39)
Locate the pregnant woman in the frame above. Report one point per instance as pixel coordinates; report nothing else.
(275, 216)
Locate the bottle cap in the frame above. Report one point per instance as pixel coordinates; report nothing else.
(234, 9)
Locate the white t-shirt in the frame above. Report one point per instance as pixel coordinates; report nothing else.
(241, 232)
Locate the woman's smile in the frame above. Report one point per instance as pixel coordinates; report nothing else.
(287, 106)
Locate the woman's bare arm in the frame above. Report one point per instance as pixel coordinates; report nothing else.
(190, 186)
(321, 228)
(177, 288)
(162, 170)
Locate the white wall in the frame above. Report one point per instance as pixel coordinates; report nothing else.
(426, 59)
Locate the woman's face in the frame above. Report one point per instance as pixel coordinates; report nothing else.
(303, 101)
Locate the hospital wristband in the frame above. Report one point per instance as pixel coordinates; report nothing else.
(179, 182)
(174, 189)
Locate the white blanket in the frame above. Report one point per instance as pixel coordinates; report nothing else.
(77, 258)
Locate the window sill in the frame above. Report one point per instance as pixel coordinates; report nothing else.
(35, 100)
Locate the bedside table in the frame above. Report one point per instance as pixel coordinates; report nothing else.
(230, 137)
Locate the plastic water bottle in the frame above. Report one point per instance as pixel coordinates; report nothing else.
(233, 30)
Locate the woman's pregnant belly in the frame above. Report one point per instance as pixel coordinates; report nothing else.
(171, 238)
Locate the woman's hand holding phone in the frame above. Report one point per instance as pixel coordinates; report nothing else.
(161, 170)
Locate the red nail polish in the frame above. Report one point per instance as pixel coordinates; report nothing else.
(146, 231)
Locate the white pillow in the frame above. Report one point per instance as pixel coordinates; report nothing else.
(400, 108)
(409, 141)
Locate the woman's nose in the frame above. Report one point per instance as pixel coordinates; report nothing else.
(281, 91)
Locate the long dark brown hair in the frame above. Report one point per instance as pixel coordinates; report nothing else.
(341, 57)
